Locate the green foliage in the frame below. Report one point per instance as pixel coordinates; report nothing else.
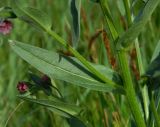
(75, 11)
(6, 12)
(154, 72)
(64, 68)
(128, 37)
(56, 105)
(101, 30)
(31, 15)
(156, 51)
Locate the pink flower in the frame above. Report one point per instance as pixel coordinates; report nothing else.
(5, 27)
(22, 87)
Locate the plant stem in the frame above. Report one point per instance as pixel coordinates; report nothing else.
(81, 58)
(153, 108)
(128, 84)
(130, 92)
(143, 90)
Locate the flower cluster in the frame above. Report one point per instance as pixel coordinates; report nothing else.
(40, 83)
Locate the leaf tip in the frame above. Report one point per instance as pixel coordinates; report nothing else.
(11, 42)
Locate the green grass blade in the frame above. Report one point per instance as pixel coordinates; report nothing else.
(75, 11)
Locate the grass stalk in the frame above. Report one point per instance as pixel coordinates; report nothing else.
(126, 75)
(143, 90)
(130, 92)
(108, 18)
(128, 12)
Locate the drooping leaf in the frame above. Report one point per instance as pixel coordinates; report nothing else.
(33, 16)
(70, 112)
(65, 68)
(56, 105)
(141, 20)
(75, 7)
(156, 51)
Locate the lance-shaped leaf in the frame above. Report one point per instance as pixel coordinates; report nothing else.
(127, 38)
(56, 105)
(33, 16)
(65, 68)
(70, 112)
(75, 7)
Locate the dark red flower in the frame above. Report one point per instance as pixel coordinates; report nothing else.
(46, 81)
(45, 78)
(5, 27)
(22, 87)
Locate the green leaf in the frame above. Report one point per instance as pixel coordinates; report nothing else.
(156, 52)
(75, 7)
(6, 12)
(153, 73)
(56, 105)
(105, 8)
(65, 68)
(32, 16)
(127, 38)
(61, 108)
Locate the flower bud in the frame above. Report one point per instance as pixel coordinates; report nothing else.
(22, 87)
(46, 80)
(5, 27)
